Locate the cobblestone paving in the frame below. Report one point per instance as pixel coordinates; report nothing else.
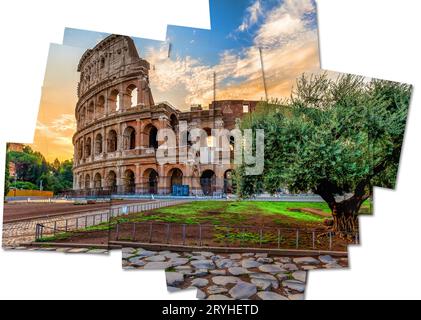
(254, 276)
(59, 250)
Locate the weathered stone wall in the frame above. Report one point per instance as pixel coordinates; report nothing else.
(117, 121)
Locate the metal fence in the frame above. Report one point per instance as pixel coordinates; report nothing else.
(202, 235)
(80, 223)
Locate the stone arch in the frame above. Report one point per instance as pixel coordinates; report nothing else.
(81, 182)
(87, 181)
(132, 92)
(98, 144)
(111, 181)
(80, 150)
(112, 141)
(82, 116)
(208, 182)
(88, 147)
(129, 137)
(114, 100)
(100, 107)
(90, 112)
(152, 134)
(175, 176)
(129, 182)
(151, 177)
(97, 181)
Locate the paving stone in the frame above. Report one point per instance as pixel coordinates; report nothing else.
(225, 263)
(63, 250)
(243, 290)
(282, 276)
(200, 295)
(265, 295)
(199, 283)
(237, 271)
(204, 254)
(174, 278)
(98, 251)
(261, 255)
(265, 260)
(203, 264)
(173, 289)
(308, 268)
(271, 268)
(248, 254)
(261, 284)
(139, 262)
(300, 276)
(224, 280)
(284, 260)
(155, 259)
(176, 262)
(294, 285)
(218, 297)
(200, 273)
(327, 259)
(264, 276)
(183, 268)
(157, 266)
(218, 272)
(235, 256)
(216, 290)
(82, 250)
(290, 267)
(146, 253)
(197, 258)
(296, 297)
(171, 255)
(249, 264)
(333, 266)
(306, 260)
(164, 253)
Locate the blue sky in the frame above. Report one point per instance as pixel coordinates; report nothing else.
(286, 30)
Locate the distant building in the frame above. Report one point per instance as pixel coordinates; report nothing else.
(17, 147)
(118, 121)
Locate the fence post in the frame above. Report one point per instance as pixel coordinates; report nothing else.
(261, 237)
(314, 239)
(86, 222)
(168, 233)
(279, 238)
(330, 240)
(184, 234)
(150, 232)
(297, 238)
(55, 227)
(77, 223)
(117, 230)
(200, 235)
(134, 232)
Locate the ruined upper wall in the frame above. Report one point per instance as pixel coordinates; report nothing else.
(113, 58)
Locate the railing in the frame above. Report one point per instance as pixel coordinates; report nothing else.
(81, 223)
(201, 235)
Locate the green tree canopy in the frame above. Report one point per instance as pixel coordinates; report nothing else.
(335, 138)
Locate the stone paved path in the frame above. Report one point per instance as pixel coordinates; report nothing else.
(59, 250)
(254, 276)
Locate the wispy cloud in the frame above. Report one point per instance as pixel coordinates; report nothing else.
(290, 47)
(253, 13)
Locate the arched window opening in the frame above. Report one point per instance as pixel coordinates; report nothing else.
(153, 138)
(112, 141)
(88, 148)
(98, 144)
(208, 182)
(129, 138)
(97, 181)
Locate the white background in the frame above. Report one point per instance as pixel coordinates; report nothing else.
(376, 38)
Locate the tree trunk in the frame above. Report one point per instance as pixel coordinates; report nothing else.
(345, 217)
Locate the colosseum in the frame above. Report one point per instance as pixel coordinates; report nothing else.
(115, 146)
